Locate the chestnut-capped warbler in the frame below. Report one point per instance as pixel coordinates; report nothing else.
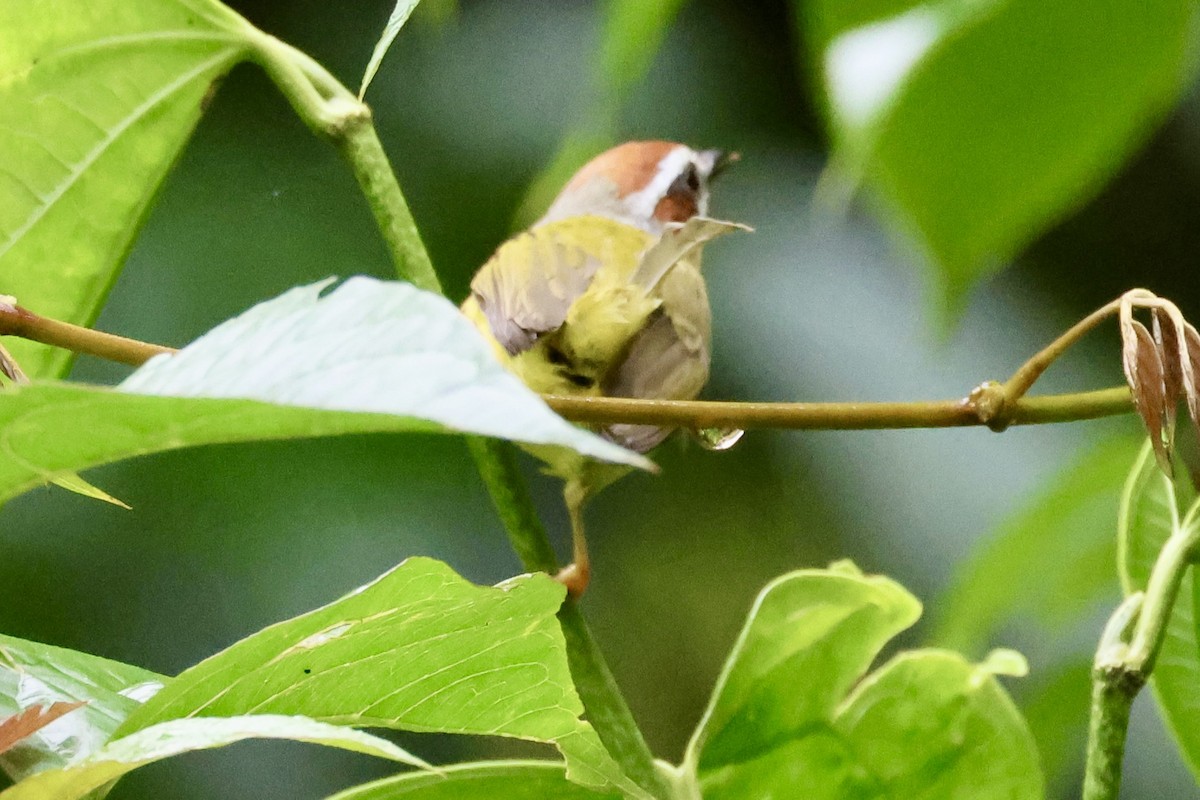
(603, 296)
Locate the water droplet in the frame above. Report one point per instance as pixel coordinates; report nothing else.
(718, 438)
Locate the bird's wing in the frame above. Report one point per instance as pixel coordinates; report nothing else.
(526, 288)
(669, 359)
(676, 243)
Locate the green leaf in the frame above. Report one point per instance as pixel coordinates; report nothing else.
(1150, 512)
(1070, 522)
(825, 625)
(926, 725)
(485, 780)
(369, 357)
(419, 649)
(33, 674)
(368, 345)
(982, 122)
(96, 102)
(399, 16)
(186, 735)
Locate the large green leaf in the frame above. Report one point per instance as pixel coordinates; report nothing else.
(983, 121)
(96, 101)
(369, 356)
(926, 725)
(1072, 521)
(419, 649)
(494, 780)
(1150, 513)
(185, 735)
(33, 674)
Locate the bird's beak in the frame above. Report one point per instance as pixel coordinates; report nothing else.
(720, 159)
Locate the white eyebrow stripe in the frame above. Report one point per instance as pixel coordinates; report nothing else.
(641, 204)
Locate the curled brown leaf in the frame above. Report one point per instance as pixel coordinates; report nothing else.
(1191, 388)
(1166, 326)
(1144, 372)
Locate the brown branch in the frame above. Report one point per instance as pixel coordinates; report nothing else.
(17, 321)
(990, 404)
(840, 416)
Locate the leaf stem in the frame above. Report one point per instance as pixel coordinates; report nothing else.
(1024, 378)
(333, 112)
(1125, 660)
(497, 463)
(606, 707)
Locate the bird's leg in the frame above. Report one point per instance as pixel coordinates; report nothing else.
(576, 575)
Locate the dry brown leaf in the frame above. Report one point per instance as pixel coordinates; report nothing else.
(1191, 388)
(1172, 357)
(10, 369)
(1144, 371)
(30, 721)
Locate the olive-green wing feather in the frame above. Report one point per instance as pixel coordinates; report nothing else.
(526, 288)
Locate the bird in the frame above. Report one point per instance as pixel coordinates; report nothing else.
(603, 296)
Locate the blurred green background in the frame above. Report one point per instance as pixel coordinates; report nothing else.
(472, 103)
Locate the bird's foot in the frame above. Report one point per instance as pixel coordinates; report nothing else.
(575, 578)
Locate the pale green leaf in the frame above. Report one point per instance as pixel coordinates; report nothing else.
(33, 674)
(486, 780)
(794, 716)
(369, 357)
(825, 625)
(1151, 509)
(1072, 521)
(419, 649)
(982, 122)
(96, 101)
(186, 735)
(371, 346)
(929, 725)
(399, 16)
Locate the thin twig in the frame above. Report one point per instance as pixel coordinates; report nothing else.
(694, 414)
(17, 321)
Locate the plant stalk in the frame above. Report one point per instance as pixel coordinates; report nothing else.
(606, 707)
(344, 120)
(1125, 660)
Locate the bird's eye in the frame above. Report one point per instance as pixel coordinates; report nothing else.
(688, 182)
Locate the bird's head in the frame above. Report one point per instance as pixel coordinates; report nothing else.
(644, 184)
